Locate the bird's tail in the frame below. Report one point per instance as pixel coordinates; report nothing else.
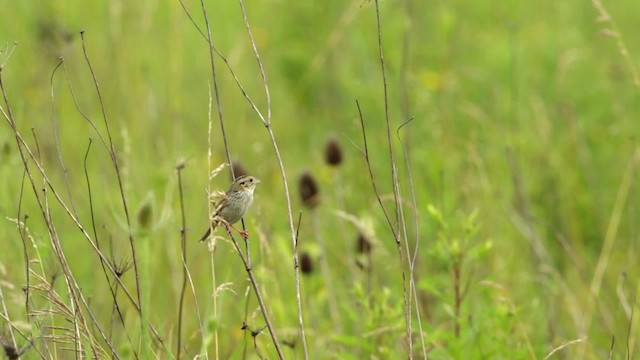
(207, 233)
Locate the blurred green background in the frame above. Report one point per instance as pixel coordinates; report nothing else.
(521, 154)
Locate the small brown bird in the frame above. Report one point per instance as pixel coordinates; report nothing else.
(234, 205)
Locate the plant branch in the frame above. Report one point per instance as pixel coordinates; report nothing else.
(114, 159)
(246, 260)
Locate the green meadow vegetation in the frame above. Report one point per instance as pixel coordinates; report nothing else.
(470, 194)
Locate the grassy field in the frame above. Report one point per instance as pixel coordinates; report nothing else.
(515, 205)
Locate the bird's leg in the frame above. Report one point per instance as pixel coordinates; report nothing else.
(228, 228)
(243, 233)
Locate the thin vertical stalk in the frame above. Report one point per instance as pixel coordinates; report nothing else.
(394, 180)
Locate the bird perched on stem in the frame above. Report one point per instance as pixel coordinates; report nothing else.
(234, 205)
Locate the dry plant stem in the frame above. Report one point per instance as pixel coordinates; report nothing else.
(294, 240)
(394, 180)
(183, 249)
(396, 236)
(267, 124)
(394, 170)
(629, 326)
(622, 46)
(246, 260)
(24, 336)
(25, 150)
(568, 343)
(114, 159)
(246, 314)
(5, 314)
(214, 76)
(186, 275)
(212, 255)
(77, 105)
(212, 60)
(21, 230)
(112, 289)
(416, 222)
(262, 73)
(457, 288)
(404, 61)
(73, 288)
(72, 285)
(56, 136)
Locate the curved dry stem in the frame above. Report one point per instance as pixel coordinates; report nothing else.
(56, 137)
(396, 236)
(114, 159)
(183, 250)
(394, 181)
(24, 147)
(412, 259)
(246, 260)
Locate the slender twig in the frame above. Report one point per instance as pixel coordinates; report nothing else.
(394, 170)
(620, 42)
(5, 314)
(113, 291)
(79, 109)
(412, 260)
(211, 211)
(183, 249)
(246, 260)
(267, 124)
(568, 343)
(212, 60)
(403, 88)
(257, 55)
(226, 61)
(396, 236)
(75, 293)
(629, 325)
(394, 181)
(613, 343)
(25, 252)
(365, 153)
(13, 327)
(246, 314)
(25, 150)
(214, 76)
(184, 8)
(114, 159)
(54, 121)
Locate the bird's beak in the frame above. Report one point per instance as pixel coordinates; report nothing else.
(257, 181)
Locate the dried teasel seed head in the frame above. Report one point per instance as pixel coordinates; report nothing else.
(144, 214)
(6, 149)
(309, 190)
(238, 169)
(10, 351)
(364, 245)
(333, 152)
(306, 263)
